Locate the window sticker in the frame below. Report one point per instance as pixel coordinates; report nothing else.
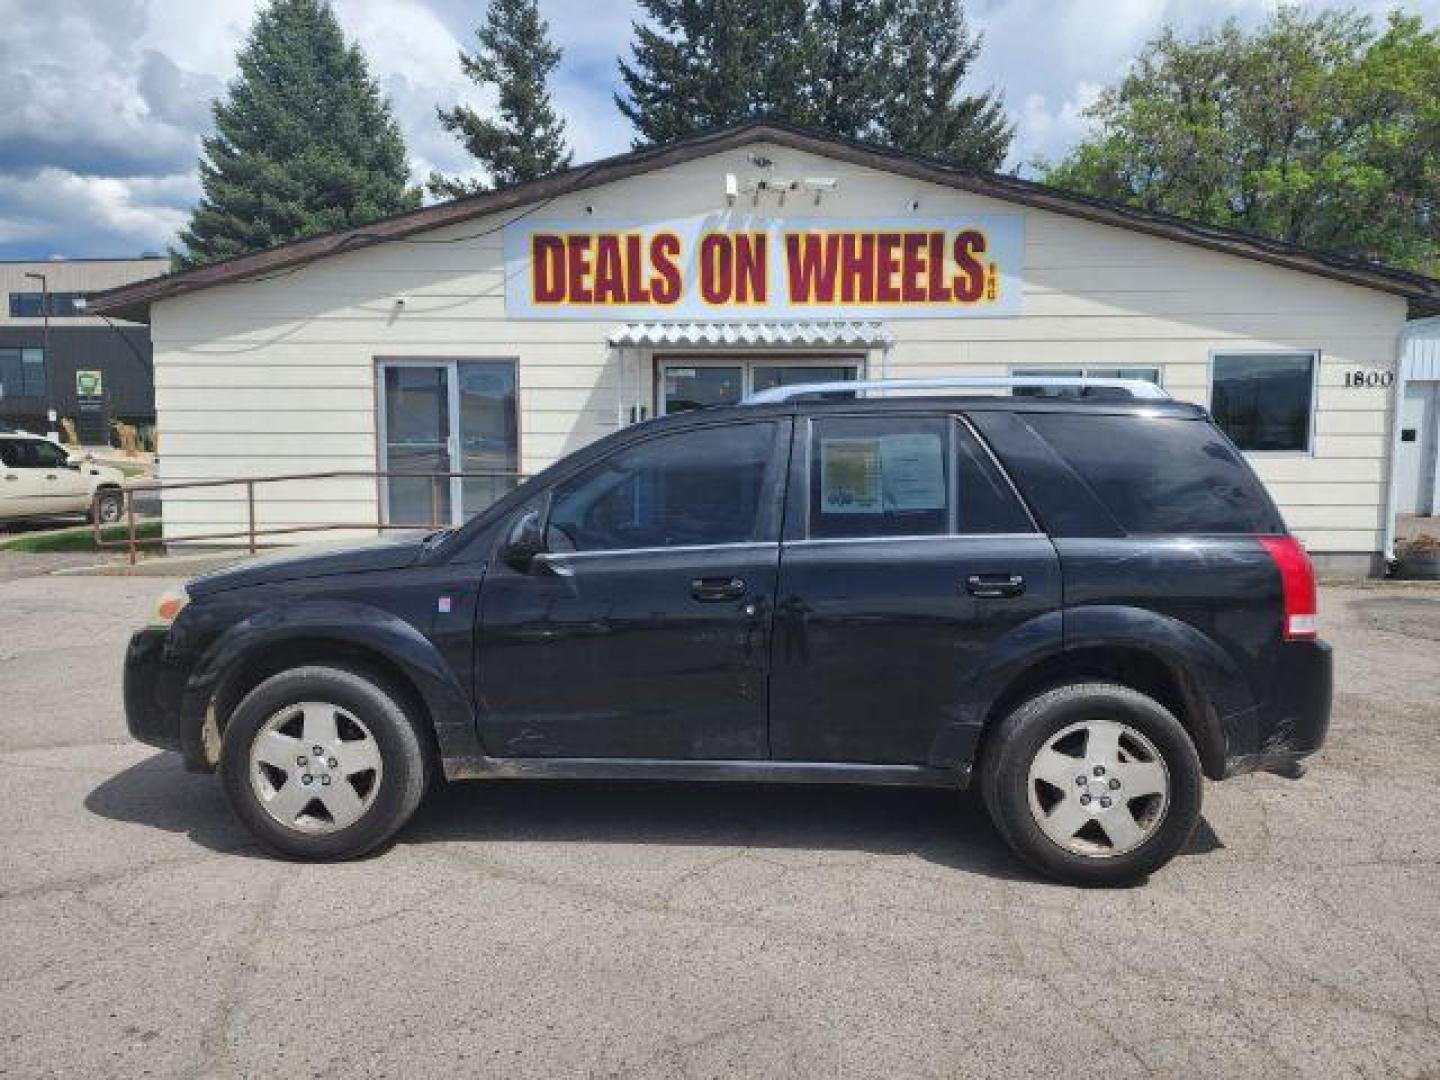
(912, 472)
(872, 475)
(850, 476)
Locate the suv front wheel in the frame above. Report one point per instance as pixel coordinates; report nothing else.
(1093, 783)
(323, 763)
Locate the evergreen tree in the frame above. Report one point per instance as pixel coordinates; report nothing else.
(304, 143)
(709, 63)
(883, 70)
(847, 66)
(517, 57)
(930, 50)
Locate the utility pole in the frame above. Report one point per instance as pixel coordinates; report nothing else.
(45, 340)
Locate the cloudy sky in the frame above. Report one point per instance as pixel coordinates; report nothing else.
(103, 102)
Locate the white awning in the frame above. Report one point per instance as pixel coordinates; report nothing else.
(820, 334)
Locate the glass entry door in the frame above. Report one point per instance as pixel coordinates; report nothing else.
(437, 417)
(703, 382)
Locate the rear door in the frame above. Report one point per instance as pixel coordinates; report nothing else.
(906, 556)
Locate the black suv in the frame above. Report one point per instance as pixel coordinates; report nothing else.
(1084, 604)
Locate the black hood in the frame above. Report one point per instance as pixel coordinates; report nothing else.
(387, 554)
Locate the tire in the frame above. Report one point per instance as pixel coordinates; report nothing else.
(1035, 790)
(108, 507)
(374, 765)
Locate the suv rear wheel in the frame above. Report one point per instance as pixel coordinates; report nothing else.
(323, 763)
(109, 506)
(1093, 783)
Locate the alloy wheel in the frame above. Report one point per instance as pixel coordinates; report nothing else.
(315, 767)
(1098, 788)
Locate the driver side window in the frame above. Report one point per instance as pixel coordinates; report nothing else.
(690, 488)
(46, 455)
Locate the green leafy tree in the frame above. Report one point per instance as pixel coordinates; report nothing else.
(883, 70)
(517, 57)
(303, 144)
(1317, 129)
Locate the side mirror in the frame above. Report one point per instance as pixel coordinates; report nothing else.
(525, 540)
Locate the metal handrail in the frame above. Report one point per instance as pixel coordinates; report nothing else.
(251, 534)
(1136, 388)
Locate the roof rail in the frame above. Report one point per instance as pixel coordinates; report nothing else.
(1139, 389)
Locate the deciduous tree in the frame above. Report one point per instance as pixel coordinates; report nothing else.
(1318, 128)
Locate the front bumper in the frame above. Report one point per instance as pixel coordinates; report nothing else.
(1295, 718)
(154, 690)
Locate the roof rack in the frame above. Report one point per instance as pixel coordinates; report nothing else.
(1139, 389)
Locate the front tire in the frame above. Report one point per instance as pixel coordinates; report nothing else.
(1093, 784)
(323, 763)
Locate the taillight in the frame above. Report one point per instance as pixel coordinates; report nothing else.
(1297, 582)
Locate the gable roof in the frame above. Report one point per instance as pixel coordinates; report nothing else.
(133, 301)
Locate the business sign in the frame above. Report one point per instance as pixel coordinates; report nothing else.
(89, 384)
(728, 267)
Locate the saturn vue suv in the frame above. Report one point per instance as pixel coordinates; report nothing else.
(1085, 605)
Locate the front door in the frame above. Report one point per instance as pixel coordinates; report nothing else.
(906, 556)
(644, 632)
(449, 438)
(1415, 461)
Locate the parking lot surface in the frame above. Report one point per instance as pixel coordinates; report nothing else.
(531, 929)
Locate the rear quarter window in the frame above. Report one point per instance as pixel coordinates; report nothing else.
(1162, 474)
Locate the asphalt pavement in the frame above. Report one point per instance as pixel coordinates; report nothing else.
(551, 930)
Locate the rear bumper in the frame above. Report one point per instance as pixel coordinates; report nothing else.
(154, 689)
(1293, 722)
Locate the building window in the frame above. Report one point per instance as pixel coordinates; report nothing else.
(1145, 374)
(22, 373)
(1265, 401)
(703, 382)
(31, 305)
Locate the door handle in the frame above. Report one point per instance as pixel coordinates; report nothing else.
(11, 476)
(52, 476)
(994, 586)
(714, 590)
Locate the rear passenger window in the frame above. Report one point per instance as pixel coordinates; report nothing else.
(905, 476)
(1162, 475)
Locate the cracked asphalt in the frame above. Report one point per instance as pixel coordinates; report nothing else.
(525, 929)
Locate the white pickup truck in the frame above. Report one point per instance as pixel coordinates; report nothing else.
(39, 478)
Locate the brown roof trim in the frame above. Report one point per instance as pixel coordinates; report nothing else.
(133, 301)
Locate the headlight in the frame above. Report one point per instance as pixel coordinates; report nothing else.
(170, 604)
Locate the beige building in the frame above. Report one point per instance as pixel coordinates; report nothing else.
(501, 331)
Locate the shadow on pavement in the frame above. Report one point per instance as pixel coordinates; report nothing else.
(947, 828)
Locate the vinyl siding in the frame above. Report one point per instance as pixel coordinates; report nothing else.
(278, 376)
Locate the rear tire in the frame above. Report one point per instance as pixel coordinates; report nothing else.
(1093, 784)
(323, 763)
(109, 506)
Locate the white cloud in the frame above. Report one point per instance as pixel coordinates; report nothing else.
(53, 207)
(103, 102)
